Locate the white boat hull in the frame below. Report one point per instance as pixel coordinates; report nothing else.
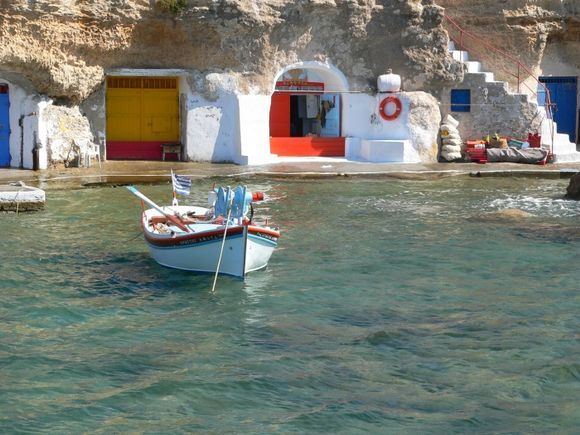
(246, 247)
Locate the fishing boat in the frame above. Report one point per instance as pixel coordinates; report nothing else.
(221, 238)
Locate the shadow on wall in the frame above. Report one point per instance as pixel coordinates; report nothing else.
(212, 132)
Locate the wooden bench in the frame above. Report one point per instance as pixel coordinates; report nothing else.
(171, 148)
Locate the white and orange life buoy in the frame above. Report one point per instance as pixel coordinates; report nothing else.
(392, 115)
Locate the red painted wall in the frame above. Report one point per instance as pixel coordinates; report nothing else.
(307, 146)
(119, 150)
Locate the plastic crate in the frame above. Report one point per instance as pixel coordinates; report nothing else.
(478, 155)
(474, 143)
(535, 140)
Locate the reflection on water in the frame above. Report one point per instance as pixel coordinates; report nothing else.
(390, 306)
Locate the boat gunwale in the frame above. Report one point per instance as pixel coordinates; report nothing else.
(210, 235)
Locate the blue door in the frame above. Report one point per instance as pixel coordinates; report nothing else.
(563, 93)
(4, 127)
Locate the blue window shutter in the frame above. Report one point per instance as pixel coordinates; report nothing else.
(460, 100)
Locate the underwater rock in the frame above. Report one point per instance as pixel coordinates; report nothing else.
(573, 189)
(550, 232)
(506, 214)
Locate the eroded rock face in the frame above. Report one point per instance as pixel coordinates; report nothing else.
(424, 120)
(69, 134)
(63, 48)
(542, 34)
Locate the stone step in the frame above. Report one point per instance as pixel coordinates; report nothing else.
(473, 66)
(485, 77)
(489, 77)
(562, 148)
(460, 56)
(572, 157)
(563, 138)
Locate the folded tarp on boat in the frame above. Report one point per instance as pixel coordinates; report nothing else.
(514, 155)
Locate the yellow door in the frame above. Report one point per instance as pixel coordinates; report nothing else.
(142, 113)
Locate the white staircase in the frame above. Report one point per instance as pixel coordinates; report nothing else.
(562, 148)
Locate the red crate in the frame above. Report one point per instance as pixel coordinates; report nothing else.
(478, 155)
(535, 140)
(475, 143)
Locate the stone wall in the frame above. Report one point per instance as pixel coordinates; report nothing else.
(493, 110)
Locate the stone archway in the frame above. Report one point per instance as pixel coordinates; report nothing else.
(305, 111)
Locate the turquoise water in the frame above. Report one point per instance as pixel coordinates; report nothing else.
(389, 307)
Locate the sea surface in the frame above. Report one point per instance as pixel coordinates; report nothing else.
(390, 306)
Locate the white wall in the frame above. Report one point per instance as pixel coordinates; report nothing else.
(254, 130)
(334, 80)
(24, 109)
(360, 118)
(212, 128)
(220, 125)
(43, 136)
(233, 128)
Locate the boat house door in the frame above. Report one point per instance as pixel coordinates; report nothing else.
(564, 94)
(4, 126)
(142, 114)
(305, 121)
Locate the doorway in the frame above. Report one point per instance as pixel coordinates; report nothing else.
(142, 114)
(305, 124)
(4, 126)
(564, 97)
(304, 117)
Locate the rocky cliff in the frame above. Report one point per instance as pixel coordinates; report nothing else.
(543, 34)
(63, 48)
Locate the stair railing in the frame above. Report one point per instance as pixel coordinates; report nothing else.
(467, 41)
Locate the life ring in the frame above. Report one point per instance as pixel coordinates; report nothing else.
(396, 113)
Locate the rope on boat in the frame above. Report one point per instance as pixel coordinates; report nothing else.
(221, 250)
(134, 237)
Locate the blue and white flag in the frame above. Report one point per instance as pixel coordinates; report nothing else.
(181, 184)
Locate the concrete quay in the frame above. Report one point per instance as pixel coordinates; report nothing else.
(136, 172)
(20, 197)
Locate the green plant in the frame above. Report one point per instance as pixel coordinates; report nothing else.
(173, 6)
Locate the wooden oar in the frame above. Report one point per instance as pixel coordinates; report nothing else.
(172, 218)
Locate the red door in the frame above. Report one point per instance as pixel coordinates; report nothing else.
(280, 115)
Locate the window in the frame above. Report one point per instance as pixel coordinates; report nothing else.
(460, 100)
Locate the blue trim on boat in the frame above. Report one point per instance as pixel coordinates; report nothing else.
(262, 239)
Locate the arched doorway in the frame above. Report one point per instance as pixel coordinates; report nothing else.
(306, 111)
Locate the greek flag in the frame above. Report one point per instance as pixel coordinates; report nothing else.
(181, 184)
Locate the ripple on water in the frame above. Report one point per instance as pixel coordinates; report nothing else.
(390, 306)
